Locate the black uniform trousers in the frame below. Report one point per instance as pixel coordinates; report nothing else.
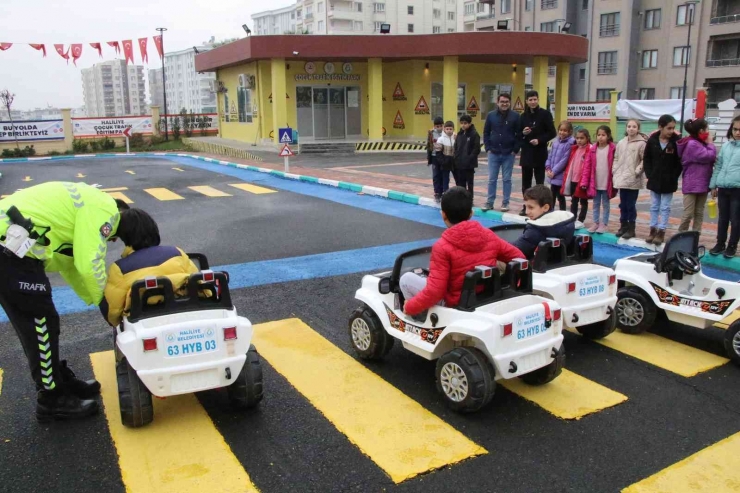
(25, 295)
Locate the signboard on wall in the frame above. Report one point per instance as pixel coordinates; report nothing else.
(197, 122)
(589, 111)
(326, 77)
(32, 130)
(112, 127)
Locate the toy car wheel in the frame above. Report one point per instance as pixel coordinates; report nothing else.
(548, 373)
(367, 335)
(636, 312)
(599, 330)
(246, 391)
(732, 342)
(465, 378)
(134, 399)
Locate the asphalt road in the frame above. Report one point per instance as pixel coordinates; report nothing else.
(287, 444)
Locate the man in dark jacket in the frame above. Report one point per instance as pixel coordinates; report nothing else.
(537, 130)
(543, 222)
(502, 139)
(467, 149)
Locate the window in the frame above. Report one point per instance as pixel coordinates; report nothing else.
(681, 56)
(489, 96)
(528, 28)
(549, 4)
(607, 62)
(652, 19)
(676, 92)
(450, 16)
(436, 30)
(650, 59)
(357, 26)
(609, 25)
(684, 15)
(451, 30)
(320, 7)
(410, 9)
(604, 94)
(245, 104)
(358, 6)
(528, 5)
(582, 74)
(505, 6)
(551, 71)
(437, 13)
(410, 28)
(584, 5)
(379, 7)
(437, 100)
(321, 25)
(377, 26)
(547, 27)
(481, 8)
(470, 8)
(647, 93)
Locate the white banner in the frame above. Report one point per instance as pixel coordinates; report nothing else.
(32, 130)
(112, 127)
(652, 109)
(589, 111)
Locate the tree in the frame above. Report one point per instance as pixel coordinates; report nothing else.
(224, 42)
(7, 100)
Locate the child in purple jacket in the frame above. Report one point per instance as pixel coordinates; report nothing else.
(697, 153)
(558, 160)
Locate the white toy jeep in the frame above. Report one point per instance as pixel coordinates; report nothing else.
(498, 331)
(672, 282)
(169, 346)
(586, 292)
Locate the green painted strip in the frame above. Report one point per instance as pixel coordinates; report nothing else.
(277, 173)
(392, 194)
(310, 179)
(350, 186)
(410, 199)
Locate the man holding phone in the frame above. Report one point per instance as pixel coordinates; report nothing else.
(537, 130)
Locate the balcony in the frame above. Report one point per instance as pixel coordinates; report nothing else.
(344, 14)
(309, 16)
(607, 68)
(609, 30)
(549, 4)
(723, 52)
(725, 62)
(487, 24)
(725, 19)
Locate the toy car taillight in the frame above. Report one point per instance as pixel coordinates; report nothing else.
(585, 239)
(208, 276)
(555, 242)
(229, 333)
(150, 282)
(507, 330)
(486, 271)
(612, 279)
(571, 287)
(523, 264)
(556, 314)
(150, 344)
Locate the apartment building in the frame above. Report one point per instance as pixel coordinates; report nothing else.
(278, 21)
(114, 88)
(719, 53)
(156, 96)
(186, 88)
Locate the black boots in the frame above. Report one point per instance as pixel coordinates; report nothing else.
(622, 229)
(718, 248)
(731, 251)
(82, 389)
(60, 403)
(630, 232)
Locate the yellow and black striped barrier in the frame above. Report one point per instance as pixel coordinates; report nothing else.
(220, 149)
(388, 146)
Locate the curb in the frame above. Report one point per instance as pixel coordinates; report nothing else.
(732, 264)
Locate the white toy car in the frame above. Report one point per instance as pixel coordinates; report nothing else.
(498, 331)
(672, 282)
(180, 346)
(586, 292)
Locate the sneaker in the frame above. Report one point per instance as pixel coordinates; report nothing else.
(594, 227)
(602, 229)
(487, 207)
(505, 208)
(731, 251)
(84, 389)
(718, 248)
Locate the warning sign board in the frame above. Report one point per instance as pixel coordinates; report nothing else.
(473, 107)
(518, 106)
(398, 94)
(285, 151)
(270, 97)
(422, 108)
(398, 121)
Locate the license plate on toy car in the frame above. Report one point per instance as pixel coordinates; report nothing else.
(189, 342)
(529, 326)
(590, 286)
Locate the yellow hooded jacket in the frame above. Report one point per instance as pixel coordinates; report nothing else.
(158, 261)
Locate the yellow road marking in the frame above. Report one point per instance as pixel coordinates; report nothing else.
(664, 353)
(162, 194)
(397, 433)
(710, 470)
(729, 319)
(1, 380)
(180, 451)
(569, 396)
(28, 178)
(130, 172)
(178, 169)
(116, 189)
(251, 188)
(210, 191)
(119, 195)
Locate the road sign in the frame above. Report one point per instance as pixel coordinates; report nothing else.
(285, 151)
(127, 132)
(285, 135)
(518, 106)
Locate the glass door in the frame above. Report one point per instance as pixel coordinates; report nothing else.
(320, 113)
(337, 122)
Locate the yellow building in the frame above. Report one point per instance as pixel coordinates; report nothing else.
(358, 88)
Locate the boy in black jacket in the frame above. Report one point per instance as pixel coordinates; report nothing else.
(543, 222)
(467, 149)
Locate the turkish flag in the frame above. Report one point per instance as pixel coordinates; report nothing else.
(5, 46)
(76, 52)
(158, 44)
(60, 50)
(97, 47)
(142, 45)
(128, 50)
(114, 44)
(38, 47)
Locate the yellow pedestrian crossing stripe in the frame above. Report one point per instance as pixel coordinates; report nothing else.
(664, 353)
(122, 196)
(712, 470)
(396, 432)
(251, 188)
(180, 451)
(163, 194)
(210, 191)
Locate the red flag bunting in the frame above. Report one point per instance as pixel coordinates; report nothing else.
(60, 50)
(114, 44)
(38, 47)
(158, 44)
(76, 52)
(5, 46)
(142, 45)
(128, 50)
(97, 46)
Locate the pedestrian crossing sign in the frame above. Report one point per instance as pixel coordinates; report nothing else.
(285, 135)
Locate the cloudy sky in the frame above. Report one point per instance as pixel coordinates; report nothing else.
(38, 81)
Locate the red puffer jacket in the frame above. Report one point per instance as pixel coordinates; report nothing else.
(461, 248)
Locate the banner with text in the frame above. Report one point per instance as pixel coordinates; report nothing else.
(32, 130)
(589, 111)
(199, 123)
(111, 127)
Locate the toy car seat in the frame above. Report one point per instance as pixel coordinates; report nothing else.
(682, 247)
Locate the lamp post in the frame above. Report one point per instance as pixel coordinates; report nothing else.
(164, 83)
(690, 6)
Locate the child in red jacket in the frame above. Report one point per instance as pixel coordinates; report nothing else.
(463, 246)
(573, 177)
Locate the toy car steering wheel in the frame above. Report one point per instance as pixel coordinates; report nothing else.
(687, 262)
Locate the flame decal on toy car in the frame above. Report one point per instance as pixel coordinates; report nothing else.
(429, 335)
(716, 307)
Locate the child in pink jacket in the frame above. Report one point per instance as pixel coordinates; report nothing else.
(574, 176)
(597, 177)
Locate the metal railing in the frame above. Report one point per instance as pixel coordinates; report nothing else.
(726, 62)
(725, 19)
(549, 4)
(609, 30)
(607, 68)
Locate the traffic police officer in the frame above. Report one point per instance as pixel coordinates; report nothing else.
(54, 227)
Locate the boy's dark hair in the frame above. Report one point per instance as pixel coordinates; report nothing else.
(585, 132)
(531, 94)
(693, 127)
(121, 205)
(466, 119)
(664, 120)
(138, 229)
(439, 121)
(607, 131)
(504, 95)
(457, 204)
(729, 130)
(541, 194)
(449, 123)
